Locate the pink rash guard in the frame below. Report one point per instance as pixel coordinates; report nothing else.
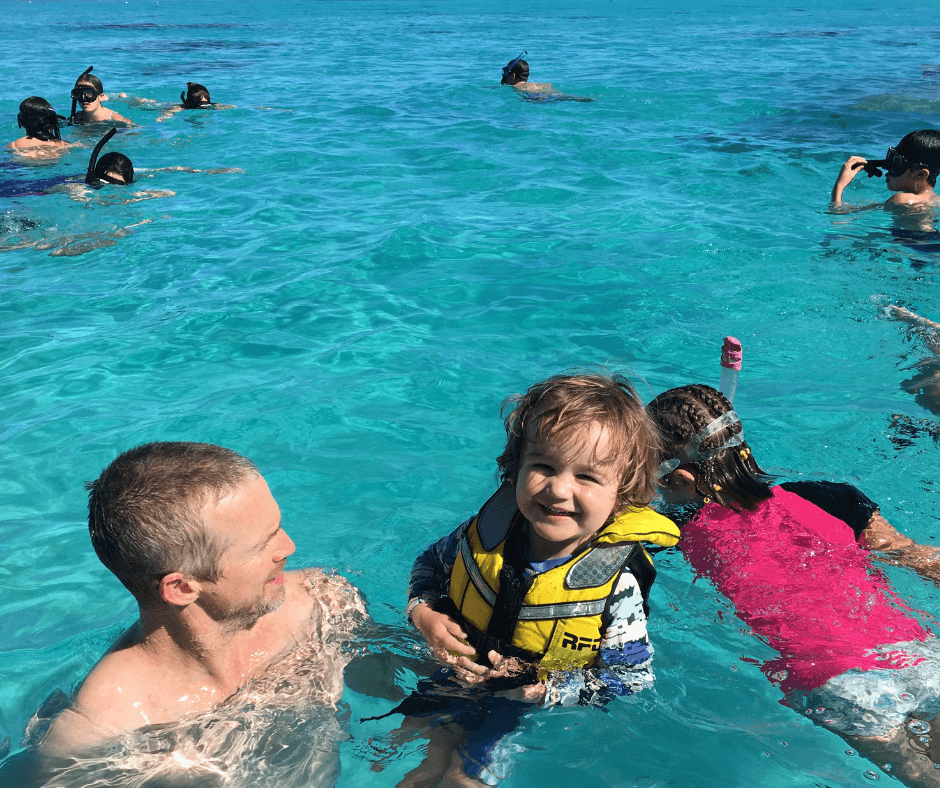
(798, 578)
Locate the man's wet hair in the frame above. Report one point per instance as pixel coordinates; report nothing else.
(196, 96)
(144, 513)
(518, 73)
(115, 164)
(922, 147)
(38, 119)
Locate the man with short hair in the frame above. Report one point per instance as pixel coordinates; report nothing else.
(193, 532)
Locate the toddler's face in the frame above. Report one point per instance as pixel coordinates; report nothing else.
(567, 490)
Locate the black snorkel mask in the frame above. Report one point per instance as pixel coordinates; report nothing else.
(507, 69)
(193, 104)
(893, 162)
(90, 178)
(74, 99)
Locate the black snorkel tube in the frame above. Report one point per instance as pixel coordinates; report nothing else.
(90, 177)
(74, 102)
(512, 64)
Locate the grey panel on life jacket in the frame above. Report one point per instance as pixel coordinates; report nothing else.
(562, 610)
(599, 565)
(496, 516)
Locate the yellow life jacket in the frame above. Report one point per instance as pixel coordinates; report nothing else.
(557, 617)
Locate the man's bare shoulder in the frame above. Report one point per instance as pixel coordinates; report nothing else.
(535, 87)
(330, 590)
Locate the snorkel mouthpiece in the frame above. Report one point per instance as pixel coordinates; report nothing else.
(90, 174)
(74, 101)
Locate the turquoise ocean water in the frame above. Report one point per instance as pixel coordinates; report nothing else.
(408, 244)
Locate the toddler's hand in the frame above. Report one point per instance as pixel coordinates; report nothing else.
(530, 693)
(444, 635)
(473, 673)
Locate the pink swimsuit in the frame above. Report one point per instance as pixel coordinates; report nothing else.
(797, 576)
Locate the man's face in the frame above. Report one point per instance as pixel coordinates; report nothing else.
(251, 584)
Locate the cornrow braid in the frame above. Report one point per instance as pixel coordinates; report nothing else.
(732, 479)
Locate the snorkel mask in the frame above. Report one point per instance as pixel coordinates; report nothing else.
(692, 451)
(74, 97)
(191, 101)
(93, 179)
(507, 69)
(893, 162)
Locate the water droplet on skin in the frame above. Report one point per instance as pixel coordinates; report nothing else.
(869, 775)
(887, 767)
(850, 752)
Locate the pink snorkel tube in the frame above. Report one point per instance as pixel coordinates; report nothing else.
(730, 368)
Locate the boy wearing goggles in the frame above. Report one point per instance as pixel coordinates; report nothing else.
(910, 170)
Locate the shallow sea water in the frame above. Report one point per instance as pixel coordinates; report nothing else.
(407, 245)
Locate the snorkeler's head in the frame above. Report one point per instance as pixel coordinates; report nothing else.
(115, 168)
(564, 406)
(515, 71)
(144, 513)
(38, 119)
(196, 96)
(90, 81)
(87, 89)
(701, 434)
(922, 149)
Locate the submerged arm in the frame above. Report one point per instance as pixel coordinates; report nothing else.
(900, 550)
(625, 660)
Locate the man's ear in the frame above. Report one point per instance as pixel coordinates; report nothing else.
(920, 173)
(178, 589)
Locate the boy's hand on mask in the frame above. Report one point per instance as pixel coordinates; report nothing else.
(445, 636)
(852, 167)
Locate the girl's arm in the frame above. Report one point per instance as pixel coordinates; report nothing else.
(901, 550)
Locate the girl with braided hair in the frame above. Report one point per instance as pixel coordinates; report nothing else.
(794, 560)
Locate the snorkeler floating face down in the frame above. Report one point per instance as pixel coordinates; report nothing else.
(113, 167)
